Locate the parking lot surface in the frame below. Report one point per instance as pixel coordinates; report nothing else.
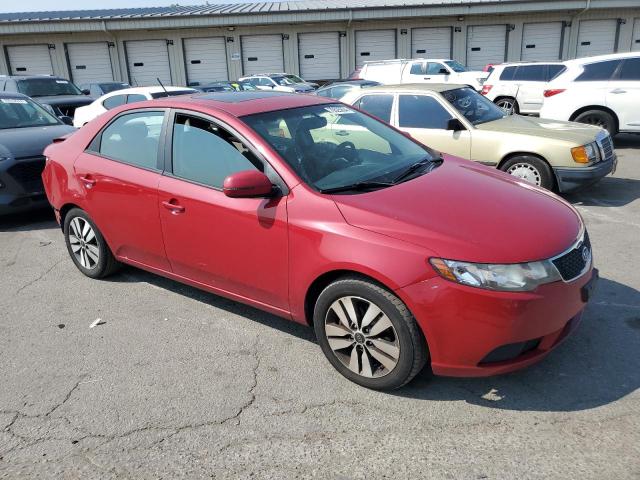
(141, 377)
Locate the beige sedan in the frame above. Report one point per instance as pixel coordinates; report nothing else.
(456, 120)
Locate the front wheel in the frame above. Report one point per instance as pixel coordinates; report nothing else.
(530, 169)
(368, 334)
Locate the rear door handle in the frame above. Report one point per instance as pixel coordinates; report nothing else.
(342, 133)
(172, 205)
(618, 90)
(88, 180)
(427, 78)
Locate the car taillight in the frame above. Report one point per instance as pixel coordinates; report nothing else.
(552, 92)
(486, 89)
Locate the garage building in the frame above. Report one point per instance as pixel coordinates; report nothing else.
(317, 39)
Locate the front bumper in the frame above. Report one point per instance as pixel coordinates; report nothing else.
(21, 186)
(473, 332)
(579, 177)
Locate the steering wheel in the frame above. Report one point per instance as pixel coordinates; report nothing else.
(347, 151)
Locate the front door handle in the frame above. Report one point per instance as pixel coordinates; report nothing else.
(618, 90)
(427, 78)
(342, 133)
(172, 205)
(88, 181)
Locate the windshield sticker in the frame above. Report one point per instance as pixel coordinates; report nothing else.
(61, 81)
(339, 110)
(13, 100)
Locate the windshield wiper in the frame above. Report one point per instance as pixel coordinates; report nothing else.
(357, 186)
(414, 168)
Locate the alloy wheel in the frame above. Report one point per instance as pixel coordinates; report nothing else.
(506, 105)
(362, 337)
(526, 172)
(84, 243)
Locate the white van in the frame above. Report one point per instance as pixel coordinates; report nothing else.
(421, 70)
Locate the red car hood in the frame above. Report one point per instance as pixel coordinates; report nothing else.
(465, 211)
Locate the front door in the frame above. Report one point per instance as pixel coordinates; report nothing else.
(237, 245)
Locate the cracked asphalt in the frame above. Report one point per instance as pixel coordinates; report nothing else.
(176, 383)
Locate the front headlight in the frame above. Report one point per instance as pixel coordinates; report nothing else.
(517, 277)
(586, 153)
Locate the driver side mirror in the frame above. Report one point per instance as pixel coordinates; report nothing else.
(455, 125)
(247, 184)
(443, 71)
(86, 91)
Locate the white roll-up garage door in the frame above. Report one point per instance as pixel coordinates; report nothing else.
(375, 45)
(319, 55)
(89, 62)
(635, 41)
(486, 44)
(596, 37)
(262, 54)
(432, 42)
(30, 60)
(541, 41)
(206, 60)
(148, 60)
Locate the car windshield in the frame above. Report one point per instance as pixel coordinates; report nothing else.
(172, 93)
(456, 66)
(47, 87)
(22, 112)
(282, 81)
(294, 78)
(334, 147)
(245, 86)
(475, 107)
(112, 87)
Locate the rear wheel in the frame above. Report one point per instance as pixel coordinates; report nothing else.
(368, 334)
(508, 104)
(87, 246)
(599, 118)
(530, 169)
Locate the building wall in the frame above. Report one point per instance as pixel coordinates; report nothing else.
(347, 60)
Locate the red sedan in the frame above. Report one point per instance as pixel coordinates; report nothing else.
(320, 213)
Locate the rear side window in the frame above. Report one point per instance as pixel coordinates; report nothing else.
(421, 111)
(554, 71)
(133, 139)
(530, 73)
(417, 68)
(630, 69)
(598, 71)
(377, 105)
(507, 73)
(436, 69)
(115, 101)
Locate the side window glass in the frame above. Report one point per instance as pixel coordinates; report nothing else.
(508, 73)
(133, 139)
(598, 71)
(135, 97)
(265, 82)
(206, 153)
(115, 101)
(417, 68)
(339, 92)
(420, 111)
(530, 73)
(377, 105)
(435, 69)
(630, 69)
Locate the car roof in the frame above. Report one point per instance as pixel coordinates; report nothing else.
(521, 64)
(415, 87)
(13, 95)
(31, 77)
(241, 103)
(154, 89)
(600, 58)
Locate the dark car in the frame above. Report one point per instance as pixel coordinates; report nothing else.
(337, 90)
(62, 95)
(25, 130)
(96, 90)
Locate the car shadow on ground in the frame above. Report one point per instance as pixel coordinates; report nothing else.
(608, 192)
(597, 365)
(626, 140)
(41, 219)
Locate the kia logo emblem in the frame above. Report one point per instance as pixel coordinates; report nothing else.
(585, 254)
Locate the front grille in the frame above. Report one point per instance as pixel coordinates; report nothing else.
(573, 263)
(27, 172)
(606, 147)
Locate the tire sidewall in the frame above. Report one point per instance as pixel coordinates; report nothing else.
(101, 267)
(515, 109)
(398, 376)
(609, 123)
(547, 179)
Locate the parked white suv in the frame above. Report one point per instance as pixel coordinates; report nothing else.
(603, 91)
(519, 87)
(420, 70)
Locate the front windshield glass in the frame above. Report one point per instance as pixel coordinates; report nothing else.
(282, 81)
(295, 78)
(21, 113)
(47, 87)
(332, 146)
(475, 107)
(456, 66)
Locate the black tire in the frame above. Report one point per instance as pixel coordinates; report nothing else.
(537, 167)
(106, 263)
(599, 118)
(508, 103)
(413, 353)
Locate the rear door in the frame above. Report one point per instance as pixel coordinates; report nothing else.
(530, 81)
(623, 94)
(119, 174)
(235, 245)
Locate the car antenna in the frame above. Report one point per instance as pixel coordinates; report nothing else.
(163, 87)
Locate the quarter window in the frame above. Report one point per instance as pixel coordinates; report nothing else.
(115, 101)
(421, 111)
(377, 105)
(630, 69)
(598, 71)
(205, 153)
(133, 139)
